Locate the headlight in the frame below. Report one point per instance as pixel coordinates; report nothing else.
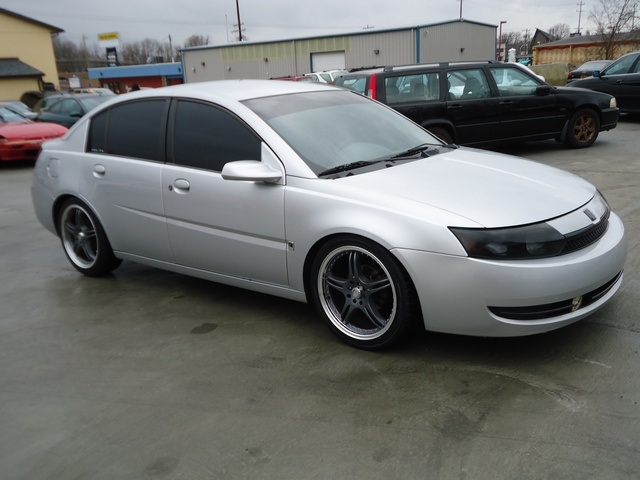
(613, 103)
(532, 241)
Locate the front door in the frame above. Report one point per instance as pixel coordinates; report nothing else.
(228, 227)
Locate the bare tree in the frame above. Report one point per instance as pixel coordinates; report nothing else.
(76, 58)
(612, 18)
(559, 31)
(144, 51)
(512, 40)
(196, 40)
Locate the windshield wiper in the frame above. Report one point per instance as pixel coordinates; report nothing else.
(348, 166)
(406, 155)
(420, 149)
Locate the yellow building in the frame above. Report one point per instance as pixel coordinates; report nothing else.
(27, 60)
(574, 51)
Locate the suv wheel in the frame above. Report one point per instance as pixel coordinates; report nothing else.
(583, 129)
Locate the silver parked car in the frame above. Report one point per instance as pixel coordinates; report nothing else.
(319, 194)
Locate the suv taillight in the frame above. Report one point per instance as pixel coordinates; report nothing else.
(373, 80)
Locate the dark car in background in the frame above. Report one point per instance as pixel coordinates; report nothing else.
(586, 69)
(67, 109)
(621, 79)
(483, 103)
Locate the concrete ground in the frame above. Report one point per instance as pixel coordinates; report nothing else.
(152, 375)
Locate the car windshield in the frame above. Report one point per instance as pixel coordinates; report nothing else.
(333, 128)
(8, 115)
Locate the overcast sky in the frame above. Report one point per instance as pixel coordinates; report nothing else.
(264, 20)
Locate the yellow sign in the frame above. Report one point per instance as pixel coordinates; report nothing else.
(107, 36)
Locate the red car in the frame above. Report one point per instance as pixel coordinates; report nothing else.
(20, 138)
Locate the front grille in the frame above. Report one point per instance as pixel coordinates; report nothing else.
(550, 310)
(583, 238)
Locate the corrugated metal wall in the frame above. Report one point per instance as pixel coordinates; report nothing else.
(452, 41)
(457, 42)
(388, 48)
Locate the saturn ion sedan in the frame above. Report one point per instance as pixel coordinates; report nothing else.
(321, 195)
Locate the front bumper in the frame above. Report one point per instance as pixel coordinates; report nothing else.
(609, 118)
(458, 294)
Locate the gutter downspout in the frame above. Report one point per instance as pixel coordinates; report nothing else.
(417, 44)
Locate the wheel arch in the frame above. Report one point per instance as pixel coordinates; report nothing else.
(56, 209)
(315, 248)
(588, 106)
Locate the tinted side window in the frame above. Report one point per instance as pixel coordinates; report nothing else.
(134, 129)
(98, 133)
(208, 137)
(468, 84)
(416, 87)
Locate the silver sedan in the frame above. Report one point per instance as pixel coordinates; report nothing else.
(321, 195)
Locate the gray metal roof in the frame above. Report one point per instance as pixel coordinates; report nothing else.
(346, 34)
(51, 28)
(14, 68)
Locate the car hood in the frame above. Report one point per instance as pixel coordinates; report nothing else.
(486, 189)
(31, 130)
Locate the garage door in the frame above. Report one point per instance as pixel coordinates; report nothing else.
(327, 61)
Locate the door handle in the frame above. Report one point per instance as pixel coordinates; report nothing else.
(180, 185)
(99, 170)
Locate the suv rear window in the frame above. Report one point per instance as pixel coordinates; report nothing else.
(359, 84)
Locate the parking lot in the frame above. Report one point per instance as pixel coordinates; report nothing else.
(149, 374)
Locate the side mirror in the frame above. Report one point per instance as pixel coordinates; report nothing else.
(596, 73)
(543, 90)
(250, 171)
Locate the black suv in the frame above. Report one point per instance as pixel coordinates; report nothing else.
(487, 102)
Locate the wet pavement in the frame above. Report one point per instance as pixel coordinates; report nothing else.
(151, 375)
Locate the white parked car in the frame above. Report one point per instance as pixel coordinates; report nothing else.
(318, 194)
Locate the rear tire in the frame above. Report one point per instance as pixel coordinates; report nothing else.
(362, 293)
(582, 129)
(84, 241)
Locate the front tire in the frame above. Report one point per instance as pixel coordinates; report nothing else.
(583, 129)
(84, 241)
(362, 292)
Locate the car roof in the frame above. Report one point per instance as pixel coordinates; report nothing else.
(414, 66)
(237, 90)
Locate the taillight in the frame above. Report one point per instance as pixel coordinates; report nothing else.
(372, 86)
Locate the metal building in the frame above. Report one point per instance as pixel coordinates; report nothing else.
(457, 40)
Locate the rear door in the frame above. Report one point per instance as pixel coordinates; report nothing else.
(121, 177)
(471, 108)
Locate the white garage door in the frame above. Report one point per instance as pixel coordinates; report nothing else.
(327, 61)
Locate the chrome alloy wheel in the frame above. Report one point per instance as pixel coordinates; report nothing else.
(357, 292)
(79, 236)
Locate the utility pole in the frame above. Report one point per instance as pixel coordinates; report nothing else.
(239, 22)
(526, 42)
(500, 41)
(460, 9)
(580, 5)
